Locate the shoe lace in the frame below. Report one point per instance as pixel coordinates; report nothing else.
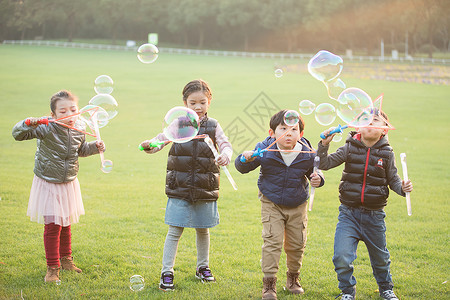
(167, 279)
(345, 296)
(294, 279)
(270, 285)
(389, 294)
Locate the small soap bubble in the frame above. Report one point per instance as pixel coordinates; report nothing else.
(103, 84)
(278, 73)
(306, 107)
(325, 113)
(147, 53)
(137, 283)
(291, 118)
(107, 166)
(337, 137)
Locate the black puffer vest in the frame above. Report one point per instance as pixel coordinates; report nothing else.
(364, 179)
(192, 172)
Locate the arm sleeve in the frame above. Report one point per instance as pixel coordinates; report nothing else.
(223, 143)
(394, 180)
(87, 149)
(329, 161)
(22, 132)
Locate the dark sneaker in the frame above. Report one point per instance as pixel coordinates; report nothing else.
(166, 282)
(205, 274)
(346, 296)
(388, 294)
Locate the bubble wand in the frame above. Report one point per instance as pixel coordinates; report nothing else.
(106, 164)
(155, 144)
(313, 189)
(405, 178)
(209, 142)
(46, 120)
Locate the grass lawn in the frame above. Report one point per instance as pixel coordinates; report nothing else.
(123, 231)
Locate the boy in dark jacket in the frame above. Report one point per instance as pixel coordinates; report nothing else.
(369, 171)
(283, 191)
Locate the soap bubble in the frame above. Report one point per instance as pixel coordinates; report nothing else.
(337, 137)
(107, 166)
(103, 84)
(107, 102)
(137, 283)
(278, 73)
(325, 66)
(306, 107)
(335, 87)
(355, 107)
(181, 124)
(147, 53)
(291, 118)
(325, 113)
(87, 116)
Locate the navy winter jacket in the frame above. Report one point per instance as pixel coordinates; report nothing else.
(281, 184)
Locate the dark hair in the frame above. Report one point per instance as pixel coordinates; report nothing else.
(195, 86)
(278, 119)
(63, 94)
(377, 112)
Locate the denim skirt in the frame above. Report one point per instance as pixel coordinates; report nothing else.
(200, 214)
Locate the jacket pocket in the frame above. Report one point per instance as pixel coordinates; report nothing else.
(171, 180)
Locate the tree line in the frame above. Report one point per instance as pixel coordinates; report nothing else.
(410, 26)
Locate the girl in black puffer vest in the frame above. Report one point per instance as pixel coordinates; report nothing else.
(192, 184)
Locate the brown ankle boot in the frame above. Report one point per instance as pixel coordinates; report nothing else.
(67, 264)
(52, 274)
(293, 283)
(269, 288)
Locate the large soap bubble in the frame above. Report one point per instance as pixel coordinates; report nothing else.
(325, 114)
(87, 116)
(103, 84)
(181, 124)
(325, 66)
(107, 102)
(355, 107)
(147, 53)
(306, 107)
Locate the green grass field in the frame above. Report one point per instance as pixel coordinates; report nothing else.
(123, 231)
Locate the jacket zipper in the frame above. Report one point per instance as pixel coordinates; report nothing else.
(68, 152)
(365, 174)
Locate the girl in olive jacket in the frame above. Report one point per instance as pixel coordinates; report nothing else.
(55, 197)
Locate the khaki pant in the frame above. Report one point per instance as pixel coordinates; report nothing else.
(282, 223)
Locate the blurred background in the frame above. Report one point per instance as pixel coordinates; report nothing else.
(364, 27)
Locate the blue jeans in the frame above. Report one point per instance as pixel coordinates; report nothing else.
(360, 224)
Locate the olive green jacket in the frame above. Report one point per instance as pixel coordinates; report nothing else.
(58, 149)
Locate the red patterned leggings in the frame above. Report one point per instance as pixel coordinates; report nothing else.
(57, 243)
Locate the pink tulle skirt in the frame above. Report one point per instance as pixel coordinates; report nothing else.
(58, 203)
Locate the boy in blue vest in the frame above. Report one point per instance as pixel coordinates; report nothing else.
(369, 171)
(283, 192)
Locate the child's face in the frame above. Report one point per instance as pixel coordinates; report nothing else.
(64, 108)
(289, 140)
(198, 102)
(374, 131)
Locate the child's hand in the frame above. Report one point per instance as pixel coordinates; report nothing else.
(147, 148)
(34, 122)
(328, 139)
(223, 160)
(248, 156)
(100, 146)
(407, 186)
(315, 180)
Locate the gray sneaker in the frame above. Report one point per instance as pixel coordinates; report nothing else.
(346, 296)
(389, 295)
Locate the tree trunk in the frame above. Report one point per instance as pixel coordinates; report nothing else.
(201, 38)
